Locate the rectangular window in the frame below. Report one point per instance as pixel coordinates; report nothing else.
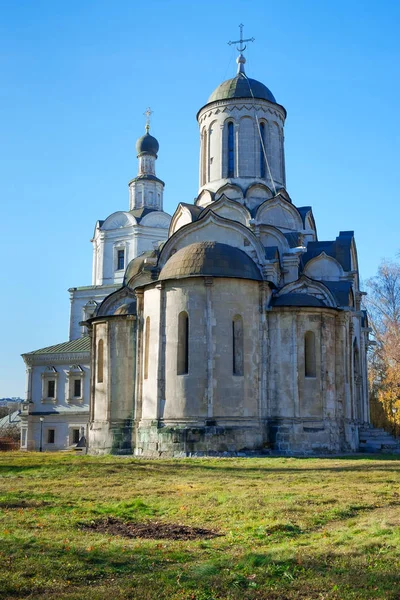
(77, 388)
(75, 436)
(120, 260)
(51, 388)
(51, 435)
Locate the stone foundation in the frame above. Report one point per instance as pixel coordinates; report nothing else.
(207, 440)
(113, 438)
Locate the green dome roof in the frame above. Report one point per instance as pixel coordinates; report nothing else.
(148, 144)
(239, 87)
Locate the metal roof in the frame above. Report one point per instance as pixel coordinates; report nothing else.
(80, 345)
(241, 87)
(211, 259)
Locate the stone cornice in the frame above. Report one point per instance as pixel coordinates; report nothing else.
(59, 358)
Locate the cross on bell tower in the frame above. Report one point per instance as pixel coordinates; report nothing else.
(147, 113)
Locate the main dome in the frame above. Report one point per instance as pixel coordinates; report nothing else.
(241, 87)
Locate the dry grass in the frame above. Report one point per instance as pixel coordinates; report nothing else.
(292, 528)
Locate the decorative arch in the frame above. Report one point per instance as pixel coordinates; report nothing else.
(306, 285)
(204, 198)
(257, 194)
(212, 227)
(281, 213)
(118, 220)
(114, 301)
(271, 236)
(182, 216)
(231, 191)
(324, 267)
(230, 209)
(156, 218)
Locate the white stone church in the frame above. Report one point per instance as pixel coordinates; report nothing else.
(226, 329)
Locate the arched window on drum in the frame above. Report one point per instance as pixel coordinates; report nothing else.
(231, 150)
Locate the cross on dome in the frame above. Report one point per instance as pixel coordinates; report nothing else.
(241, 41)
(147, 113)
(241, 48)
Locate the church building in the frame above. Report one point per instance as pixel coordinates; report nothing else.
(55, 412)
(242, 332)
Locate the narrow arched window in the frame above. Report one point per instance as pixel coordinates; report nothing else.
(310, 367)
(183, 344)
(231, 150)
(262, 150)
(146, 348)
(204, 159)
(237, 345)
(100, 361)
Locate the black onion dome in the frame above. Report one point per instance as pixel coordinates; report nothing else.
(241, 87)
(210, 259)
(147, 144)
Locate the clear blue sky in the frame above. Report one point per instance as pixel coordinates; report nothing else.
(76, 77)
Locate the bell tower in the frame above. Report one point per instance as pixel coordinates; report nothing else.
(146, 190)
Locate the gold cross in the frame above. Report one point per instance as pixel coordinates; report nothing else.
(147, 113)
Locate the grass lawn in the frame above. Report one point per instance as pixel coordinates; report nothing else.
(291, 528)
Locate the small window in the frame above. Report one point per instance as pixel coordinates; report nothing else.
(310, 368)
(51, 388)
(51, 436)
(100, 361)
(120, 260)
(75, 436)
(237, 345)
(77, 388)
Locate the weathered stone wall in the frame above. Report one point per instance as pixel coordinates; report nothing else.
(111, 427)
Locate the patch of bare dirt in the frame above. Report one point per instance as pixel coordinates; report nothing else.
(154, 530)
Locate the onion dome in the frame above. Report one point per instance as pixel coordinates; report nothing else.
(210, 259)
(147, 144)
(241, 86)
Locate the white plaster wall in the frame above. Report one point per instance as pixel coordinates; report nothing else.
(61, 387)
(63, 424)
(134, 239)
(146, 192)
(79, 297)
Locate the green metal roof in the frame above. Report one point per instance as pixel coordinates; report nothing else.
(80, 345)
(241, 87)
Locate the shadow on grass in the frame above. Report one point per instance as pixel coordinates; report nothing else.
(160, 573)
